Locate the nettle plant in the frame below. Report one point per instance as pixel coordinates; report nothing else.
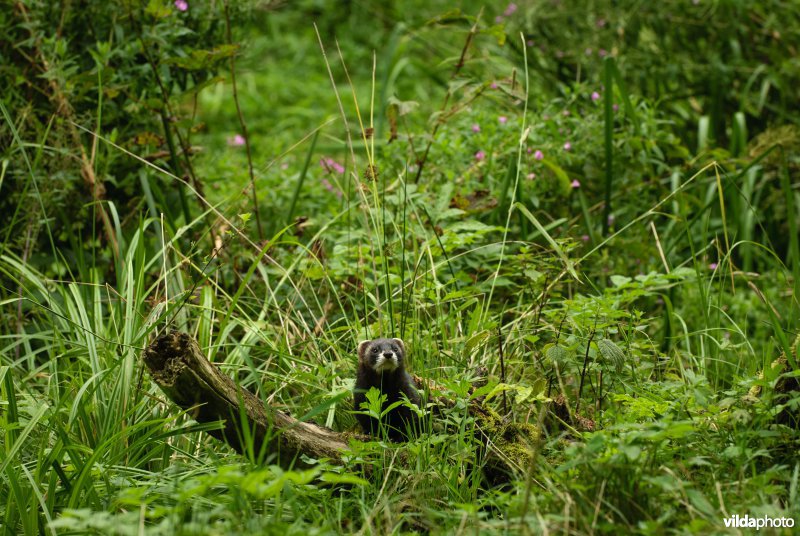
(599, 346)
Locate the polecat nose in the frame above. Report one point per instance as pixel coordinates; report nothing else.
(388, 355)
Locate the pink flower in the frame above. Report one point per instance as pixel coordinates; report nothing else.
(530, 150)
(601, 22)
(567, 146)
(236, 141)
(565, 113)
(602, 53)
(585, 238)
(538, 155)
(498, 19)
(328, 186)
(531, 176)
(476, 127)
(595, 96)
(512, 7)
(480, 155)
(615, 107)
(502, 119)
(181, 5)
(712, 266)
(330, 165)
(575, 183)
(529, 42)
(493, 85)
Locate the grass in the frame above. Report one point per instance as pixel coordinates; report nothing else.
(662, 330)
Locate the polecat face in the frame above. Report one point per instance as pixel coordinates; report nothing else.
(382, 355)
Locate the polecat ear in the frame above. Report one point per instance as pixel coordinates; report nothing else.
(401, 343)
(361, 347)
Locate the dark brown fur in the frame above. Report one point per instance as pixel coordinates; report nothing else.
(401, 422)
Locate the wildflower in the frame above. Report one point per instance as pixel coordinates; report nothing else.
(498, 19)
(595, 96)
(565, 113)
(493, 85)
(330, 165)
(585, 238)
(615, 107)
(567, 146)
(602, 53)
(530, 150)
(610, 220)
(601, 23)
(529, 42)
(284, 166)
(480, 155)
(503, 119)
(712, 266)
(531, 176)
(538, 155)
(236, 141)
(476, 127)
(575, 183)
(512, 7)
(181, 5)
(328, 186)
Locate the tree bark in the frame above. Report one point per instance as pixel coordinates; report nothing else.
(180, 369)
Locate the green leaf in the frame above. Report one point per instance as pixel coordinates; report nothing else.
(611, 352)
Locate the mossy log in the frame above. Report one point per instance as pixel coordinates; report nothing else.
(185, 375)
(180, 369)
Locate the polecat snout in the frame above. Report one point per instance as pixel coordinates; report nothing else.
(381, 364)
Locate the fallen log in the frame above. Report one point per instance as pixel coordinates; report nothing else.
(180, 369)
(194, 384)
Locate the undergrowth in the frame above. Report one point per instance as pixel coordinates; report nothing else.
(530, 195)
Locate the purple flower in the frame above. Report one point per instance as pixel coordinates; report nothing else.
(529, 42)
(502, 119)
(480, 155)
(585, 238)
(602, 53)
(493, 85)
(284, 166)
(615, 107)
(237, 140)
(181, 5)
(498, 19)
(595, 96)
(567, 146)
(476, 127)
(330, 165)
(712, 266)
(531, 176)
(512, 7)
(575, 183)
(538, 155)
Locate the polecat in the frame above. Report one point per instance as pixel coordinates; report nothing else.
(381, 364)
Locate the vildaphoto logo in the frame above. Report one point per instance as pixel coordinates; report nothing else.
(746, 522)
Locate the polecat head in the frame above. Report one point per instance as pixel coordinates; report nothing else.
(382, 355)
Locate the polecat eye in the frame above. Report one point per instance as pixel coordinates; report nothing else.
(375, 350)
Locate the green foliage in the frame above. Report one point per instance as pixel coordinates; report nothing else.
(610, 238)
